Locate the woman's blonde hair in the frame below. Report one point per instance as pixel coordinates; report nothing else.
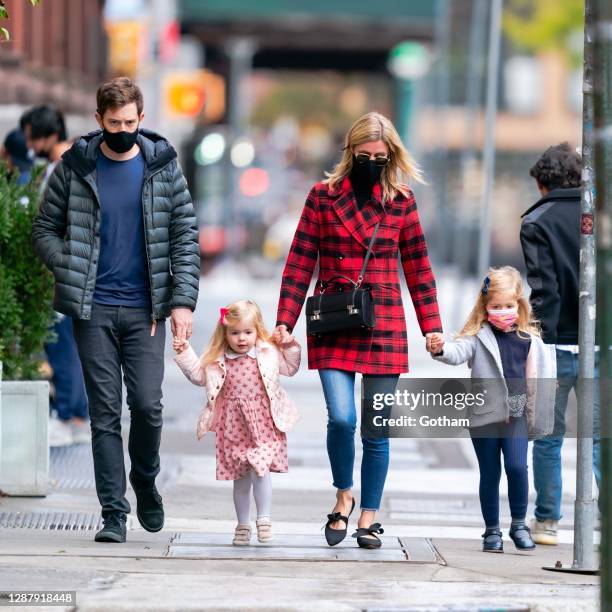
(505, 279)
(234, 313)
(401, 168)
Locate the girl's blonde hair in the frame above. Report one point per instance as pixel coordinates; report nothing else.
(505, 279)
(401, 167)
(235, 312)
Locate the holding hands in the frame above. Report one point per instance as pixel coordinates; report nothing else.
(434, 343)
(179, 345)
(281, 335)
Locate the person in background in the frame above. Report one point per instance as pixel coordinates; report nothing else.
(550, 238)
(15, 152)
(45, 134)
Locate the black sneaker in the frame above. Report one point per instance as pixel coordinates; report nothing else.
(114, 529)
(149, 507)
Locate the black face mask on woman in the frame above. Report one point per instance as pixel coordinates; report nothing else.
(120, 142)
(365, 175)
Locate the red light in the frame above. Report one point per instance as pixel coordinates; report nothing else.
(254, 182)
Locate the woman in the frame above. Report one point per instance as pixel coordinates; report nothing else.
(336, 225)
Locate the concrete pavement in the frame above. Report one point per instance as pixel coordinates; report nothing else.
(431, 558)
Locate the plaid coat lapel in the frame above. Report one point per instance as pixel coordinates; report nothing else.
(358, 222)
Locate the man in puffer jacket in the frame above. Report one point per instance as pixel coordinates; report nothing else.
(117, 229)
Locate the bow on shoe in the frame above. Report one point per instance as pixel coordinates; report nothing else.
(373, 529)
(332, 518)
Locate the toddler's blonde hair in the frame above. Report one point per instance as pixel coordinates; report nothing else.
(236, 312)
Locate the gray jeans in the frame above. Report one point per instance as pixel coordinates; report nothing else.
(118, 339)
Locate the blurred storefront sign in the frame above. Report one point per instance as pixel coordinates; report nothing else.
(194, 93)
(126, 46)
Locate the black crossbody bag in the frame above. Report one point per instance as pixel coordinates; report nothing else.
(345, 308)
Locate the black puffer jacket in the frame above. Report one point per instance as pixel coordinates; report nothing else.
(66, 232)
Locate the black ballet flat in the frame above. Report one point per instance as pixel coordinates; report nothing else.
(362, 534)
(335, 536)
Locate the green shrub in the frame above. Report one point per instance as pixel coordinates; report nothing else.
(26, 286)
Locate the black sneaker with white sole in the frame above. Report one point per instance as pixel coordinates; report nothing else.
(149, 507)
(114, 529)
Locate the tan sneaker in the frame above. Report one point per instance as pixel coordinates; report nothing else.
(544, 532)
(264, 530)
(242, 535)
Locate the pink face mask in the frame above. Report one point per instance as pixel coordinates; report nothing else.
(503, 318)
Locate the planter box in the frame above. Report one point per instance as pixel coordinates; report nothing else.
(24, 439)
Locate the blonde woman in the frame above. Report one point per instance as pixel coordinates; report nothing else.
(246, 407)
(501, 343)
(368, 186)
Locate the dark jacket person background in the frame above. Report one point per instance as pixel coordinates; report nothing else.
(550, 237)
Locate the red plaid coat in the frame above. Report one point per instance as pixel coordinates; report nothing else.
(334, 230)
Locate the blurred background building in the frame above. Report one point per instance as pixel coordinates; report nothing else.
(256, 96)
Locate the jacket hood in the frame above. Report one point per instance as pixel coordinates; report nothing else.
(156, 150)
(556, 195)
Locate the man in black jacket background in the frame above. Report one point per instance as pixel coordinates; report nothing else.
(550, 238)
(117, 229)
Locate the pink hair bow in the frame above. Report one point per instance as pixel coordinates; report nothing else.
(222, 312)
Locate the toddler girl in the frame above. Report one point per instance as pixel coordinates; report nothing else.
(246, 406)
(502, 346)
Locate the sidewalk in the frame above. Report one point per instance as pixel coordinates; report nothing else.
(431, 558)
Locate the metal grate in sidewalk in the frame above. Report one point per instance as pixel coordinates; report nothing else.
(300, 547)
(52, 521)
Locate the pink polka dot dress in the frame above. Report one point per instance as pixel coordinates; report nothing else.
(247, 437)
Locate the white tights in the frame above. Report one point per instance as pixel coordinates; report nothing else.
(262, 492)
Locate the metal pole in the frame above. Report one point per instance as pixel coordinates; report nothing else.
(484, 246)
(442, 36)
(240, 52)
(602, 80)
(584, 506)
(465, 224)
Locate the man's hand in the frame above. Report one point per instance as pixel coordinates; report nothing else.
(281, 335)
(181, 323)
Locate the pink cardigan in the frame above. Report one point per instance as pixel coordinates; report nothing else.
(272, 360)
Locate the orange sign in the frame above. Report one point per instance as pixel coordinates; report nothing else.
(195, 93)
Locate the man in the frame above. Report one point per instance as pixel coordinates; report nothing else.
(118, 230)
(550, 237)
(45, 132)
(44, 127)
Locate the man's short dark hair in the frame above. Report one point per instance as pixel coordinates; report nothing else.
(117, 93)
(560, 167)
(44, 121)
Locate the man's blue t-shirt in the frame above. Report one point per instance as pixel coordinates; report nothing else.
(123, 275)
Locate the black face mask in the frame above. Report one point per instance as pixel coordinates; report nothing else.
(120, 142)
(364, 176)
